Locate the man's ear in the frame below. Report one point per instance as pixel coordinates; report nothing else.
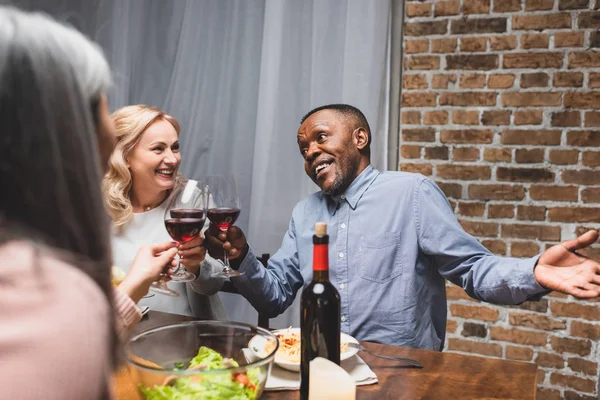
(361, 138)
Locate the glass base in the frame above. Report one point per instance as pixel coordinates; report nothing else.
(183, 276)
(227, 273)
(162, 288)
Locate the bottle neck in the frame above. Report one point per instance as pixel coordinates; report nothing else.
(321, 260)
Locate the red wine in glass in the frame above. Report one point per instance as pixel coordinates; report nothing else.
(223, 217)
(184, 229)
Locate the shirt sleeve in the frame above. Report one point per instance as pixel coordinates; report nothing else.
(127, 313)
(272, 290)
(463, 260)
(205, 284)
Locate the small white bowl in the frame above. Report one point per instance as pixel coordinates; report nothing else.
(257, 346)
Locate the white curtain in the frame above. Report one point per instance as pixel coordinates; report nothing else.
(239, 75)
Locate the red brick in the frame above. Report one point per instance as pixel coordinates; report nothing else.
(418, 10)
(584, 59)
(501, 211)
(423, 63)
(591, 158)
(568, 39)
(536, 321)
(574, 214)
(583, 138)
(472, 81)
(507, 6)
(443, 8)
(465, 154)
(466, 136)
(410, 151)
(581, 177)
(444, 45)
(550, 360)
(575, 310)
(589, 20)
(582, 99)
(592, 119)
(563, 157)
(495, 117)
(534, 41)
(497, 154)
(568, 79)
(473, 347)
(495, 246)
(581, 384)
(533, 60)
(553, 193)
(436, 153)
(539, 232)
(529, 156)
(541, 376)
(568, 345)
(496, 192)
(570, 395)
(414, 81)
(454, 292)
(501, 81)
(500, 43)
(541, 21)
(411, 117)
(594, 80)
(463, 172)
(466, 99)
(531, 213)
(519, 353)
(451, 189)
(476, 7)
(472, 62)
(481, 313)
(463, 117)
(531, 99)
(524, 249)
(425, 169)
(416, 46)
(473, 44)
(435, 117)
(545, 393)
(426, 28)
(451, 326)
(536, 79)
(566, 118)
(528, 117)
(585, 330)
(442, 81)
(518, 336)
(478, 25)
(585, 366)
(538, 5)
(418, 135)
(573, 4)
(532, 137)
(479, 229)
(418, 99)
(524, 174)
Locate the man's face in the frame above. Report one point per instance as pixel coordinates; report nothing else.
(329, 148)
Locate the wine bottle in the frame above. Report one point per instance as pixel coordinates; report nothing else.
(319, 312)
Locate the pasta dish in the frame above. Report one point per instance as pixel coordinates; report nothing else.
(289, 346)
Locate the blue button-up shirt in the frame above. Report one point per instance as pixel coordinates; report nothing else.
(393, 239)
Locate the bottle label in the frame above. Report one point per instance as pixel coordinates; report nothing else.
(320, 258)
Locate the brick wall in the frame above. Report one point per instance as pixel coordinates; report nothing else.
(501, 107)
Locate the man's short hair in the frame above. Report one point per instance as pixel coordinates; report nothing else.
(349, 112)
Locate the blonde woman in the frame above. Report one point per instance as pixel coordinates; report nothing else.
(143, 169)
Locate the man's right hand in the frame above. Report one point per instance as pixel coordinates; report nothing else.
(233, 241)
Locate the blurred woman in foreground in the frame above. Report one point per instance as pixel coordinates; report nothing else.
(58, 330)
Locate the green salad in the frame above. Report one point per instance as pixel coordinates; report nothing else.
(235, 386)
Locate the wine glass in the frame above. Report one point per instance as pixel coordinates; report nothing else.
(223, 211)
(185, 215)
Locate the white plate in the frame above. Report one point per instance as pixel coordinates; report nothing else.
(257, 346)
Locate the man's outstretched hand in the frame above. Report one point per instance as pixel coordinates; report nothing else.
(233, 241)
(562, 269)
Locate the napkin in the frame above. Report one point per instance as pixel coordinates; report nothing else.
(282, 379)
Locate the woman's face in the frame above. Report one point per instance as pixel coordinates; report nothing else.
(155, 160)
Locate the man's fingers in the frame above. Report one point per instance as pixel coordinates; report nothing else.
(585, 240)
(195, 242)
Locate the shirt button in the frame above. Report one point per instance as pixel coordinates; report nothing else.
(343, 318)
(341, 255)
(342, 286)
(343, 197)
(343, 225)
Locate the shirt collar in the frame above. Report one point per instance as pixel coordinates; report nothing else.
(355, 191)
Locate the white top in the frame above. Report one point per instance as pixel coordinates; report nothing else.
(198, 298)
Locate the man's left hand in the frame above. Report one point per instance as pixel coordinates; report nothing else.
(562, 269)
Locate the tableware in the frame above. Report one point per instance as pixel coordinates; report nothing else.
(144, 310)
(159, 360)
(360, 347)
(258, 347)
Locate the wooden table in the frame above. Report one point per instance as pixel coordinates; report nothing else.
(444, 375)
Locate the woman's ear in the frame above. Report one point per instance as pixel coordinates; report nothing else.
(361, 138)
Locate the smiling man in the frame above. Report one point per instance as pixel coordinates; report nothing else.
(393, 241)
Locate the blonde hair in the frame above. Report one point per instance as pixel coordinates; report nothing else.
(130, 123)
